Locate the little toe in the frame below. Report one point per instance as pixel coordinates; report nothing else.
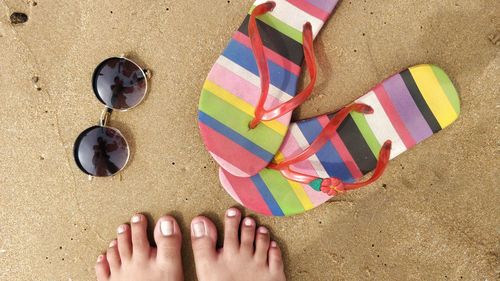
(203, 239)
(140, 242)
(102, 268)
(275, 258)
(124, 242)
(262, 241)
(113, 256)
(247, 236)
(231, 229)
(168, 240)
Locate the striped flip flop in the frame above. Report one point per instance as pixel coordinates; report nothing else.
(309, 168)
(259, 69)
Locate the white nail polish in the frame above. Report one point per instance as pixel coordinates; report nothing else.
(274, 244)
(112, 244)
(248, 222)
(167, 228)
(99, 258)
(263, 230)
(136, 219)
(121, 229)
(231, 213)
(199, 229)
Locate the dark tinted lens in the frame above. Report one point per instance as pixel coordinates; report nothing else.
(101, 151)
(119, 83)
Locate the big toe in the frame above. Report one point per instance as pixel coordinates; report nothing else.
(203, 239)
(168, 240)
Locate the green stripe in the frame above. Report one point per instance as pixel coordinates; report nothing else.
(280, 26)
(448, 88)
(367, 133)
(282, 192)
(237, 120)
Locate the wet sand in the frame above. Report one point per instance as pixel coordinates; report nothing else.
(435, 214)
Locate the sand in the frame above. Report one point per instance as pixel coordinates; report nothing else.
(435, 214)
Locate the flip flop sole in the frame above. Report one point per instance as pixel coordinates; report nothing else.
(232, 89)
(409, 107)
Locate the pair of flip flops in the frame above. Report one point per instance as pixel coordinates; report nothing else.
(278, 168)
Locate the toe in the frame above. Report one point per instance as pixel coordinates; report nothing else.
(247, 236)
(275, 258)
(140, 242)
(124, 242)
(203, 239)
(168, 240)
(262, 241)
(231, 229)
(113, 256)
(102, 268)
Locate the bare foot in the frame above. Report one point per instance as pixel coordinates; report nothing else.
(237, 260)
(130, 257)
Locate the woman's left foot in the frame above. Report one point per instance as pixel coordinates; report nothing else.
(130, 257)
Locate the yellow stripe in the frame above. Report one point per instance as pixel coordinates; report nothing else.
(278, 157)
(242, 106)
(301, 195)
(434, 95)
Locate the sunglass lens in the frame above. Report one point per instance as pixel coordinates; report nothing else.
(119, 83)
(101, 151)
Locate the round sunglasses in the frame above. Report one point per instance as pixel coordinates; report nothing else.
(120, 84)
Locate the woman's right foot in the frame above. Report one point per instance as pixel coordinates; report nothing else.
(253, 257)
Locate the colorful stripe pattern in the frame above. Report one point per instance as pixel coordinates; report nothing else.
(232, 89)
(408, 108)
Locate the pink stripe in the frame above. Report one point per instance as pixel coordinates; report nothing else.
(270, 54)
(342, 150)
(290, 148)
(228, 187)
(317, 197)
(243, 89)
(248, 193)
(310, 9)
(393, 115)
(230, 151)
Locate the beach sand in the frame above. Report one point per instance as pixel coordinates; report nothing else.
(434, 215)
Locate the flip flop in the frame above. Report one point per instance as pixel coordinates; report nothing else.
(325, 155)
(248, 98)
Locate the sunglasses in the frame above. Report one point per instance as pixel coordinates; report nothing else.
(120, 84)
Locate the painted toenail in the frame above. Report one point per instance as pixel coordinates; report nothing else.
(263, 230)
(112, 244)
(136, 219)
(121, 229)
(99, 258)
(167, 228)
(248, 222)
(274, 244)
(231, 213)
(199, 229)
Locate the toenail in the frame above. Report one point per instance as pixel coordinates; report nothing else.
(263, 230)
(136, 219)
(248, 222)
(121, 229)
(199, 229)
(167, 228)
(274, 244)
(231, 213)
(99, 258)
(112, 244)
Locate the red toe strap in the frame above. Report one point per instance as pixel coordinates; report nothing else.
(262, 114)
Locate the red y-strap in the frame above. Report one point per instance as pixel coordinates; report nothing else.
(262, 114)
(333, 185)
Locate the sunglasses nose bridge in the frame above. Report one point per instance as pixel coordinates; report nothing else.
(105, 115)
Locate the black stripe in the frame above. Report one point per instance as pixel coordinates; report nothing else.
(277, 41)
(357, 146)
(420, 101)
